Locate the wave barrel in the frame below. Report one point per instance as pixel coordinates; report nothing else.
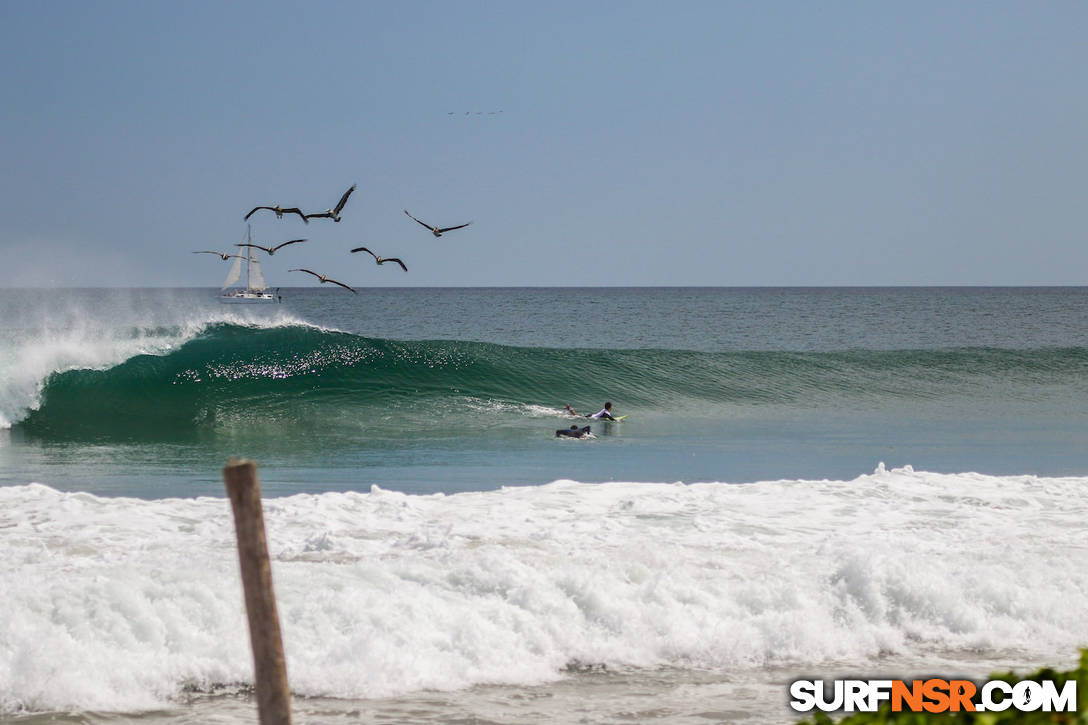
(269, 667)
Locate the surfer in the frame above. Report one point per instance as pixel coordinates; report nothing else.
(604, 413)
(573, 432)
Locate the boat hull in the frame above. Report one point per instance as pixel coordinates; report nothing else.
(249, 298)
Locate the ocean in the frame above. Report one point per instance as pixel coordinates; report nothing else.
(809, 482)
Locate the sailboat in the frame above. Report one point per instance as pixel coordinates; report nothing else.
(255, 291)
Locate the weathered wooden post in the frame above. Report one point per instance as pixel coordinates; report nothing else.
(269, 667)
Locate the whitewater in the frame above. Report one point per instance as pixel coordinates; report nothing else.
(42, 341)
(129, 605)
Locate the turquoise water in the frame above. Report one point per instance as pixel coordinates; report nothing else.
(146, 392)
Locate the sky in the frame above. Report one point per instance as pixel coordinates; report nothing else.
(604, 143)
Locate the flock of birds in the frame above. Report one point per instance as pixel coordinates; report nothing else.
(334, 214)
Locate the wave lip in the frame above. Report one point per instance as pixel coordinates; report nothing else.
(117, 603)
(33, 356)
(87, 374)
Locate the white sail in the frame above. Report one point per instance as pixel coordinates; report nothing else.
(256, 279)
(255, 291)
(234, 274)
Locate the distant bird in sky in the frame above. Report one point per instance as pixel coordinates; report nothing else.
(436, 230)
(333, 213)
(270, 250)
(324, 278)
(221, 254)
(280, 211)
(380, 260)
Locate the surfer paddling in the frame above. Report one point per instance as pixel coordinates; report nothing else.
(604, 413)
(573, 432)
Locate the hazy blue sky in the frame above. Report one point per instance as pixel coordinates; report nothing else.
(678, 143)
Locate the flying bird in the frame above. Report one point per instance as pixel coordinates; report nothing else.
(221, 254)
(324, 278)
(380, 260)
(270, 250)
(436, 230)
(280, 211)
(334, 213)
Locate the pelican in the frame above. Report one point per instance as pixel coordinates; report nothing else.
(324, 278)
(334, 213)
(270, 250)
(436, 230)
(221, 254)
(280, 211)
(380, 260)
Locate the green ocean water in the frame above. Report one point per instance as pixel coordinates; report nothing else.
(148, 392)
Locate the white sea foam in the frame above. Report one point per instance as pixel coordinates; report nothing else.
(491, 406)
(117, 604)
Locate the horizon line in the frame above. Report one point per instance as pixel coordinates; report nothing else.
(897, 285)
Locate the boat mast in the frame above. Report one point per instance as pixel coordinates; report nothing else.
(249, 251)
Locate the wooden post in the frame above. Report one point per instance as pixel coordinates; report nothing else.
(269, 667)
